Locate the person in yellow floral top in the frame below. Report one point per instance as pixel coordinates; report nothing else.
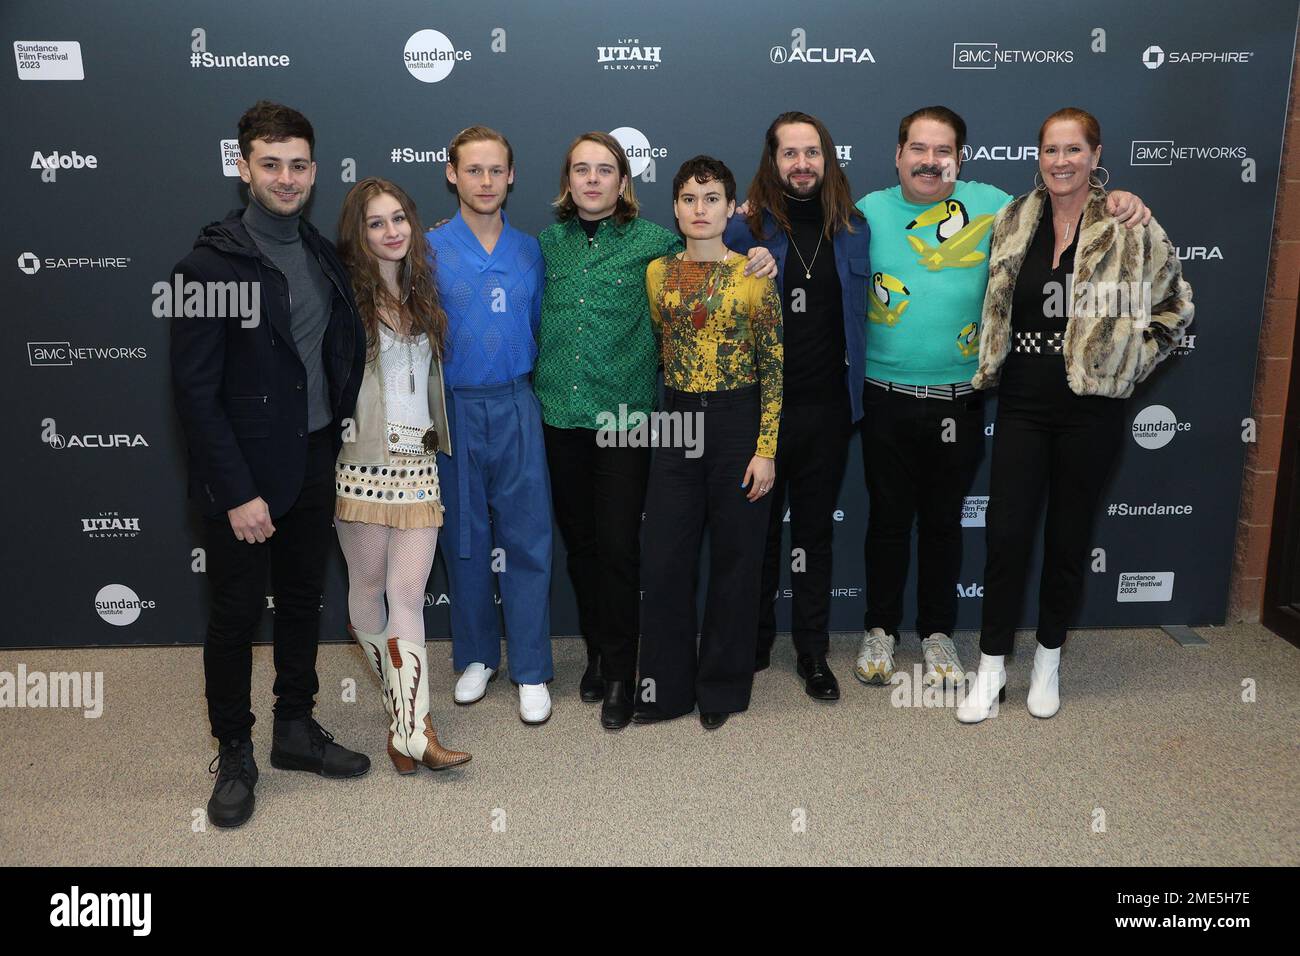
(719, 335)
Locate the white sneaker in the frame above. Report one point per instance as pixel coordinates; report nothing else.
(941, 661)
(876, 658)
(534, 703)
(472, 684)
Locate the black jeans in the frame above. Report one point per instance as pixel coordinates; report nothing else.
(810, 457)
(237, 571)
(1049, 444)
(598, 495)
(920, 456)
(686, 495)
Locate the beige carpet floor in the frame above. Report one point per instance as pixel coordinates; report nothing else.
(1154, 759)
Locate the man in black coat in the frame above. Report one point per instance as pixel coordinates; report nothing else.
(267, 354)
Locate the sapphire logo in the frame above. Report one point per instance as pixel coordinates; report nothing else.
(29, 264)
(1152, 57)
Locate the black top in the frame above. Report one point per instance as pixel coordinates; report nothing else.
(1041, 301)
(813, 328)
(589, 226)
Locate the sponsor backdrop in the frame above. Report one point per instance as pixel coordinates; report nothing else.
(120, 122)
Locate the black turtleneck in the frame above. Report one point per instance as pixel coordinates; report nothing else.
(814, 337)
(589, 226)
(310, 297)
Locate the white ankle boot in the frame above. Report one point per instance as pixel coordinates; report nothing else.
(411, 737)
(987, 689)
(1044, 683)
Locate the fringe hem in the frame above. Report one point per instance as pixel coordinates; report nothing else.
(403, 517)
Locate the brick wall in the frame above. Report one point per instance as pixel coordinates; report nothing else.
(1276, 343)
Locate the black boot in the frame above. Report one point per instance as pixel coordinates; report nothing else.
(592, 686)
(712, 720)
(616, 710)
(303, 744)
(232, 798)
(819, 682)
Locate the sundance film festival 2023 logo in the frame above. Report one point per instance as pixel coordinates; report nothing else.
(48, 60)
(202, 59)
(430, 56)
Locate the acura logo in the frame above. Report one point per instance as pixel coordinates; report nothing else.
(778, 54)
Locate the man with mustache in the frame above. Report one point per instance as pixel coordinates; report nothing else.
(923, 428)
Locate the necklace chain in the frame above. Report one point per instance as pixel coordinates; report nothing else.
(807, 266)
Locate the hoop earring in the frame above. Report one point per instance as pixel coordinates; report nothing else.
(1092, 181)
(1039, 185)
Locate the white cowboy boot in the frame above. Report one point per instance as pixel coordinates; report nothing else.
(411, 737)
(372, 647)
(1044, 682)
(988, 688)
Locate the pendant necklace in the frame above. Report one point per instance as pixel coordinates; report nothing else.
(807, 266)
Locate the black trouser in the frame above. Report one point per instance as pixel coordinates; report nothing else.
(296, 556)
(686, 494)
(920, 456)
(1050, 444)
(598, 495)
(810, 457)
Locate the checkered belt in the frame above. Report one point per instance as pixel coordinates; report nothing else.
(947, 392)
(1040, 343)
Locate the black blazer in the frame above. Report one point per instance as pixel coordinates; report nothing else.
(241, 392)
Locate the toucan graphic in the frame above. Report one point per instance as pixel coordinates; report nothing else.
(878, 309)
(968, 340)
(956, 237)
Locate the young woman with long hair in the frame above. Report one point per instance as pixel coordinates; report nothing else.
(388, 507)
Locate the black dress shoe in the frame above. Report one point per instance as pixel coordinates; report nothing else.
(303, 744)
(592, 686)
(232, 799)
(616, 709)
(819, 682)
(712, 720)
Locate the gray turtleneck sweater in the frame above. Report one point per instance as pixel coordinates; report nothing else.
(309, 298)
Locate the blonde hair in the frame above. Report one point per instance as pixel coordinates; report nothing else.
(476, 134)
(626, 209)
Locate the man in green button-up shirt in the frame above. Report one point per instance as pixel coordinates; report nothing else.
(597, 354)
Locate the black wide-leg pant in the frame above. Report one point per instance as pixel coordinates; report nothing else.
(687, 495)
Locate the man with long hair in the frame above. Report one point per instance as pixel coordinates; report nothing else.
(498, 528)
(263, 400)
(799, 205)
